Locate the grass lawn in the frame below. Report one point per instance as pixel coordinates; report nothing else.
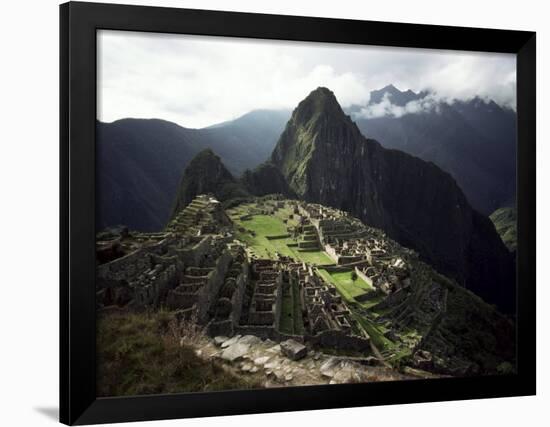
(280, 245)
(265, 225)
(313, 257)
(262, 226)
(285, 214)
(348, 287)
(259, 245)
(267, 248)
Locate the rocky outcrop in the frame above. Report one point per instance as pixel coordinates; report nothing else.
(293, 349)
(325, 159)
(266, 179)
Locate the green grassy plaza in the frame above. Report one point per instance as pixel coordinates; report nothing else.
(349, 288)
(258, 232)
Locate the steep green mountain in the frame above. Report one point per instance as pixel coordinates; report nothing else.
(474, 141)
(207, 174)
(139, 162)
(505, 220)
(325, 159)
(266, 179)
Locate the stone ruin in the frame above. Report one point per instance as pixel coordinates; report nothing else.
(196, 269)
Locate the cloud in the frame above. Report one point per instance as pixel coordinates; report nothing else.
(197, 81)
(466, 77)
(386, 108)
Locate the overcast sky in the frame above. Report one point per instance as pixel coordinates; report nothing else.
(198, 81)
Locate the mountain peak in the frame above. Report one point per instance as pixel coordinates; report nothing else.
(206, 155)
(322, 91)
(396, 96)
(206, 174)
(390, 88)
(317, 124)
(318, 103)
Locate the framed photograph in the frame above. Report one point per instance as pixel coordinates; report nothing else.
(267, 213)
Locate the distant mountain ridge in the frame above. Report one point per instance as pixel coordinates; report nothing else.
(475, 140)
(396, 96)
(140, 161)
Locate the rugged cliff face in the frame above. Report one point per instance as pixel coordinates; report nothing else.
(266, 179)
(325, 159)
(207, 174)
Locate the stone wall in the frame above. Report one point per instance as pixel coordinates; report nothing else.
(154, 292)
(278, 301)
(237, 299)
(363, 276)
(332, 253)
(336, 268)
(224, 327)
(193, 255)
(128, 267)
(209, 292)
(339, 340)
(263, 332)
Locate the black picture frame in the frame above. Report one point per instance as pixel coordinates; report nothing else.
(78, 25)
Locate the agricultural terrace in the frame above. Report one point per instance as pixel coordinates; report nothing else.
(353, 288)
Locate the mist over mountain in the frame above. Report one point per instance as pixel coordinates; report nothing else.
(475, 141)
(395, 96)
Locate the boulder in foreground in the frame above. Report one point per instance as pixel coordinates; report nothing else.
(293, 349)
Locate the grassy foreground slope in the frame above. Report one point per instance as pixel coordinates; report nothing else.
(141, 354)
